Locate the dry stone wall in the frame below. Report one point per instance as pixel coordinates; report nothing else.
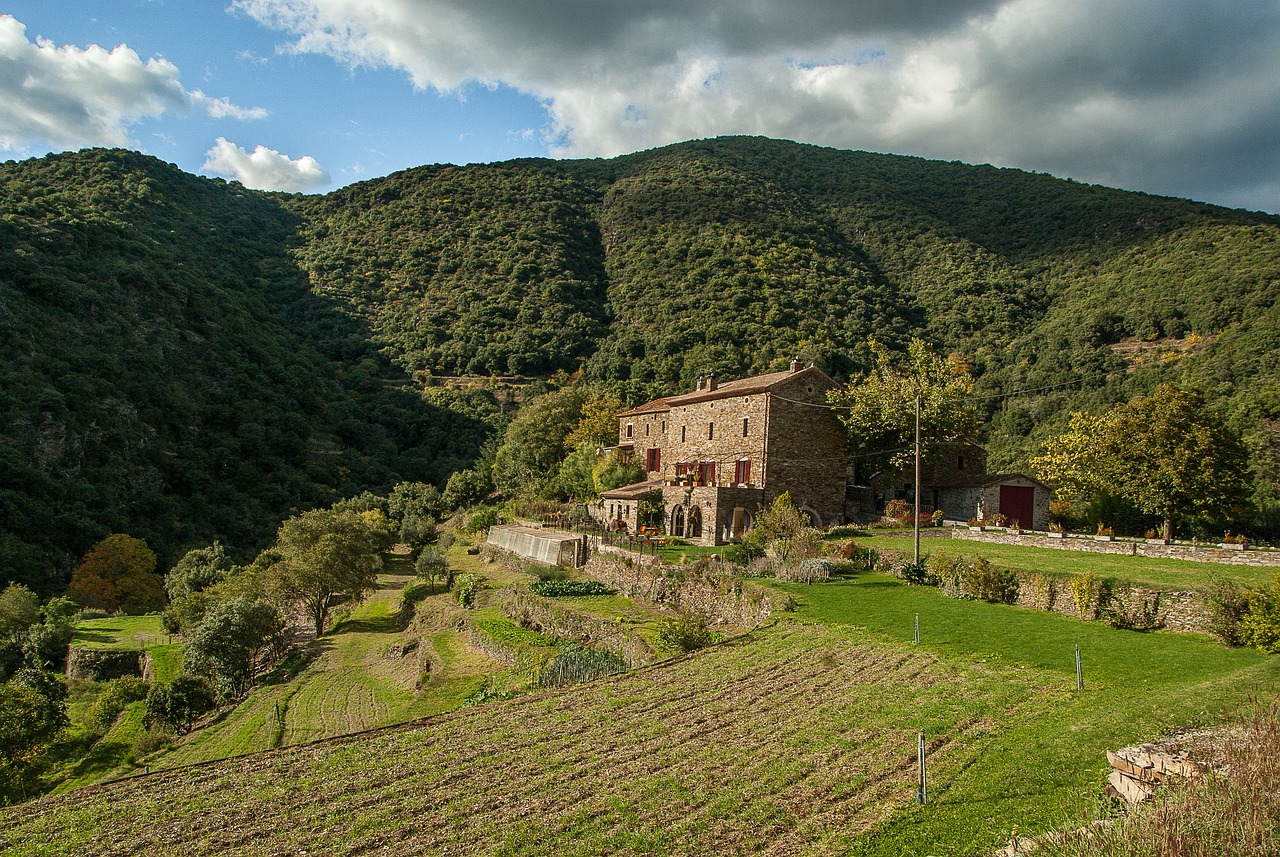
(560, 620)
(727, 600)
(1193, 553)
(103, 664)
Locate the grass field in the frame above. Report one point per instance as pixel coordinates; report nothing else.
(797, 739)
(1138, 686)
(794, 741)
(120, 632)
(1149, 571)
(351, 684)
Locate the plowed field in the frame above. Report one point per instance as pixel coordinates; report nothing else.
(792, 740)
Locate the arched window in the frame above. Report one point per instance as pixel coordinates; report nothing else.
(695, 522)
(677, 522)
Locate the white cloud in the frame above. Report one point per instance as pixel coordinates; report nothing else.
(222, 108)
(1174, 97)
(66, 97)
(265, 169)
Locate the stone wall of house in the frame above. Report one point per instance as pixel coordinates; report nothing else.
(806, 453)
(713, 430)
(648, 430)
(723, 599)
(1193, 553)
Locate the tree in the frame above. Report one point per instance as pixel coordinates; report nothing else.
(534, 443)
(576, 479)
(417, 532)
(1165, 453)
(324, 553)
(879, 408)
(33, 710)
(228, 645)
(431, 566)
(117, 574)
(465, 488)
(19, 610)
(598, 425)
(177, 704)
(615, 470)
(47, 640)
(413, 500)
(196, 571)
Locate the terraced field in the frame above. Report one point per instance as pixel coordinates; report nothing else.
(793, 740)
(351, 685)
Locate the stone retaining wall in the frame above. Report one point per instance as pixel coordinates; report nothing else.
(103, 664)
(1192, 553)
(725, 599)
(560, 620)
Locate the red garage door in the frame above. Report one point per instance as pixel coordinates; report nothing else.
(1018, 503)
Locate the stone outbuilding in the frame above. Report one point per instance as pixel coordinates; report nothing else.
(1022, 500)
(723, 453)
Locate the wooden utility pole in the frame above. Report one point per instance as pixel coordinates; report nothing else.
(916, 516)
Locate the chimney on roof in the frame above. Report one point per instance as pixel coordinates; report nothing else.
(700, 383)
(795, 365)
(711, 381)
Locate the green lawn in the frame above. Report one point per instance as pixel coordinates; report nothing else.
(1138, 686)
(1148, 571)
(120, 632)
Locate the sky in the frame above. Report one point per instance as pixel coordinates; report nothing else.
(1171, 97)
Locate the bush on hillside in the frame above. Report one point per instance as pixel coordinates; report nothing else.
(686, 632)
(115, 696)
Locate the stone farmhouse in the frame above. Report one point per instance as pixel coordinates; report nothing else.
(722, 453)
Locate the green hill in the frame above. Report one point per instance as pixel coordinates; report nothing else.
(185, 359)
(165, 371)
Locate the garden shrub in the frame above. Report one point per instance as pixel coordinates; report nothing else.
(1226, 606)
(1260, 625)
(1089, 594)
(762, 566)
(568, 588)
(742, 553)
(863, 558)
(576, 664)
(920, 573)
(548, 572)
(685, 632)
(1134, 611)
(978, 579)
(465, 587)
(807, 571)
(116, 696)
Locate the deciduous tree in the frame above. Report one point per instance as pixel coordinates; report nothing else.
(879, 408)
(1166, 453)
(324, 553)
(118, 573)
(230, 642)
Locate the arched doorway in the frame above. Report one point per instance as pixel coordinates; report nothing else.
(815, 520)
(677, 522)
(695, 522)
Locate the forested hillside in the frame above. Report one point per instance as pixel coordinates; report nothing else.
(165, 372)
(733, 255)
(184, 359)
